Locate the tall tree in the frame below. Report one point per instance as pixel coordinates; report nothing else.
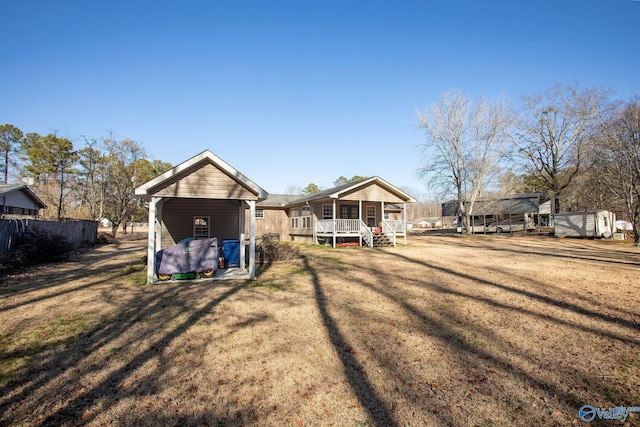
(51, 157)
(619, 159)
(10, 137)
(342, 180)
(554, 130)
(310, 189)
(465, 143)
(123, 173)
(92, 178)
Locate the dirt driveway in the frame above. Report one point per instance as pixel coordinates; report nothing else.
(488, 330)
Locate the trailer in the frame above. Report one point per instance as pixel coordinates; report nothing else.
(599, 224)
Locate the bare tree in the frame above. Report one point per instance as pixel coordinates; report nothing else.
(619, 159)
(122, 174)
(91, 179)
(465, 144)
(553, 133)
(293, 190)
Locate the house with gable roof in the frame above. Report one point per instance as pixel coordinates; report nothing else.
(205, 197)
(19, 201)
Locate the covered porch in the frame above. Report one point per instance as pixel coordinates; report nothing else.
(370, 213)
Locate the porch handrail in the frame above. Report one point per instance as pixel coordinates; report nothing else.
(397, 225)
(390, 231)
(366, 233)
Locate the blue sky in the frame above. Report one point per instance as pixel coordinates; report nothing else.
(293, 92)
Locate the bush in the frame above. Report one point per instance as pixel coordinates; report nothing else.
(270, 250)
(46, 247)
(33, 249)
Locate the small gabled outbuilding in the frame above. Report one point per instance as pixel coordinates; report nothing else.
(202, 197)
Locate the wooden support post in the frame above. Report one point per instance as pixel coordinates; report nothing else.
(151, 242)
(252, 239)
(241, 229)
(335, 223)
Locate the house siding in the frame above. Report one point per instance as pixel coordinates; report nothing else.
(274, 221)
(206, 181)
(178, 216)
(372, 193)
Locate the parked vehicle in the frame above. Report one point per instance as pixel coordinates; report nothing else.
(507, 226)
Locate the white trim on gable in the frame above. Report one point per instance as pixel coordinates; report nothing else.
(143, 190)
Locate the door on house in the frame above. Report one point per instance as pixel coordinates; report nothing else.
(349, 212)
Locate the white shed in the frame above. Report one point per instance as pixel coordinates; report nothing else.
(584, 224)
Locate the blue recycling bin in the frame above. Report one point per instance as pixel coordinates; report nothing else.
(231, 252)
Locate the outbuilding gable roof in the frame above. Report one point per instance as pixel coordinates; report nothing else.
(511, 204)
(191, 166)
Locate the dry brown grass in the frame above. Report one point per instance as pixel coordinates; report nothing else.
(446, 331)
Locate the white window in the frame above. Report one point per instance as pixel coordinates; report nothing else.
(260, 213)
(327, 211)
(201, 227)
(371, 216)
(305, 214)
(294, 222)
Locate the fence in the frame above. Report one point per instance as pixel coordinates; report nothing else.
(76, 232)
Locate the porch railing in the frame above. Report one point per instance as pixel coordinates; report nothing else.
(389, 230)
(338, 226)
(398, 226)
(366, 233)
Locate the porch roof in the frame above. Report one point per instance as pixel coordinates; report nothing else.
(339, 192)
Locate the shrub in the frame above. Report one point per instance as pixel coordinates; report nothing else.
(32, 249)
(45, 247)
(270, 250)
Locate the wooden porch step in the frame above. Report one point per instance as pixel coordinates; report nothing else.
(381, 240)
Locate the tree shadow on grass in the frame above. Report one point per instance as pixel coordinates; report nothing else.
(358, 379)
(449, 327)
(90, 263)
(60, 366)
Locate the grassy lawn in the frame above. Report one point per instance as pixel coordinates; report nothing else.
(446, 331)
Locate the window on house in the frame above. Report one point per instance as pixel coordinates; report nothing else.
(386, 216)
(260, 213)
(201, 227)
(305, 213)
(295, 219)
(371, 216)
(349, 212)
(327, 211)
